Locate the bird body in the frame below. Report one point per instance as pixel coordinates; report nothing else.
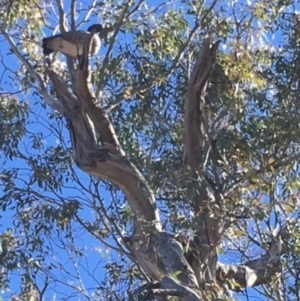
(72, 43)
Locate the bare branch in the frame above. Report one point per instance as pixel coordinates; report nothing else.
(62, 16)
(63, 29)
(193, 134)
(206, 201)
(73, 15)
(258, 271)
(109, 50)
(108, 161)
(89, 12)
(48, 99)
(208, 11)
(135, 9)
(185, 292)
(168, 287)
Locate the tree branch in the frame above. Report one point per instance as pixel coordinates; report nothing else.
(152, 81)
(107, 55)
(108, 161)
(169, 287)
(207, 203)
(193, 134)
(49, 100)
(258, 271)
(156, 252)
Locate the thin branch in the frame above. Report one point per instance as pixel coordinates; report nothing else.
(156, 9)
(88, 14)
(203, 20)
(73, 15)
(112, 222)
(151, 82)
(135, 9)
(62, 16)
(193, 119)
(48, 99)
(108, 53)
(63, 29)
(120, 249)
(98, 237)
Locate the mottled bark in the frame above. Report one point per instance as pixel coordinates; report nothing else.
(160, 256)
(155, 251)
(210, 226)
(209, 204)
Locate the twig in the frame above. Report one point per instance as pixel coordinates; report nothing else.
(107, 55)
(89, 12)
(62, 26)
(49, 100)
(135, 9)
(62, 16)
(152, 82)
(203, 20)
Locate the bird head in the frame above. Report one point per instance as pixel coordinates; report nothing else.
(95, 28)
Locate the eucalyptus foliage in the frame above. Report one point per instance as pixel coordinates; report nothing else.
(62, 230)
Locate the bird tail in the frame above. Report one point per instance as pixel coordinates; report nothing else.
(46, 50)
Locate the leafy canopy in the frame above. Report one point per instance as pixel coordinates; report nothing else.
(60, 228)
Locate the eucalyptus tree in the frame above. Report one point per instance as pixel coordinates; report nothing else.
(166, 167)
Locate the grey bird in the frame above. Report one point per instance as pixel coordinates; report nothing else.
(72, 43)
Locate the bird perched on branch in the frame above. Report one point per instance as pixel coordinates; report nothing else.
(72, 43)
